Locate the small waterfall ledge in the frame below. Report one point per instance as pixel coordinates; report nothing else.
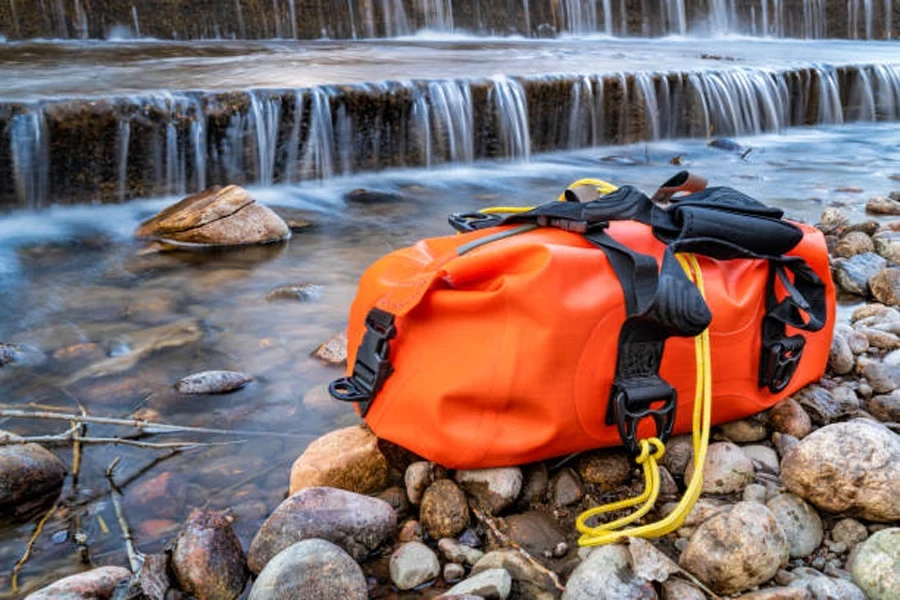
(115, 149)
(357, 19)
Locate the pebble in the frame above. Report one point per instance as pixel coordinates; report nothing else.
(820, 404)
(356, 523)
(850, 532)
(679, 451)
(822, 587)
(454, 572)
(755, 492)
(347, 459)
(883, 378)
(885, 407)
(676, 589)
(840, 358)
(535, 531)
(851, 467)
(783, 443)
(800, 523)
(735, 551)
(833, 220)
(444, 511)
(419, 475)
(310, 569)
(727, 469)
(532, 583)
(606, 469)
(396, 497)
(882, 205)
(332, 351)
(853, 243)
(456, 552)
(789, 417)
(566, 488)
(212, 382)
(885, 286)
(763, 457)
(494, 489)
(493, 584)
(411, 531)
(96, 583)
(207, 559)
(413, 564)
(887, 244)
(608, 571)
(853, 274)
(298, 292)
(535, 483)
(745, 431)
(876, 565)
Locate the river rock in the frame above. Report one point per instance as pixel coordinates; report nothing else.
(853, 274)
(822, 587)
(412, 564)
(885, 286)
(444, 511)
(676, 589)
(883, 377)
(348, 459)
(887, 244)
(454, 573)
(607, 573)
(789, 417)
(735, 551)
(885, 407)
(566, 488)
(840, 357)
(535, 531)
(876, 565)
(820, 404)
(151, 583)
(310, 570)
(763, 457)
(493, 489)
(853, 243)
(356, 523)
(411, 531)
(493, 584)
(419, 475)
(727, 469)
(606, 470)
(849, 532)
(96, 584)
(20, 355)
(755, 492)
(332, 351)
(779, 593)
(882, 205)
(679, 451)
(833, 221)
(530, 582)
(296, 292)
(212, 382)
(851, 467)
(535, 483)
(800, 523)
(207, 558)
(30, 477)
(745, 431)
(219, 216)
(457, 552)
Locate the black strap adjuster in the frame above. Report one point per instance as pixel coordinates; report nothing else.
(372, 366)
(633, 400)
(779, 362)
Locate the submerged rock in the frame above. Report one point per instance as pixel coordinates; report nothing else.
(876, 565)
(212, 382)
(219, 216)
(347, 459)
(30, 477)
(851, 467)
(207, 558)
(19, 355)
(737, 550)
(298, 292)
(96, 584)
(311, 569)
(356, 523)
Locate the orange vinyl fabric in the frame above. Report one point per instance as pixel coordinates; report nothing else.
(505, 355)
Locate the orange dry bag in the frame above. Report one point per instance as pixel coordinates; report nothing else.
(568, 327)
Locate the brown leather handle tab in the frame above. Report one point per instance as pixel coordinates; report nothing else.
(683, 181)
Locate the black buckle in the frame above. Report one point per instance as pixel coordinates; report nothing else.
(464, 222)
(372, 366)
(779, 362)
(632, 400)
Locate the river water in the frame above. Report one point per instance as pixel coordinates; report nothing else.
(76, 290)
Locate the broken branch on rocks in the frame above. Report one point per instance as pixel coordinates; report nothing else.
(28, 548)
(135, 559)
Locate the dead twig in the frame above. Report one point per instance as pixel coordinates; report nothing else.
(488, 522)
(70, 438)
(145, 426)
(128, 480)
(135, 560)
(27, 554)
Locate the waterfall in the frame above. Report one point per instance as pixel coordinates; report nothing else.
(395, 21)
(607, 17)
(30, 150)
(644, 83)
(318, 156)
(438, 14)
(450, 126)
(675, 17)
(860, 11)
(136, 24)
(81, 21)
(830, 109)
(579, 16)
(124, 142)
(265, 120)
(512, 116)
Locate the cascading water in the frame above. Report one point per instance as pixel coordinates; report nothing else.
(512, 117)
(318, 156)
(30, 157)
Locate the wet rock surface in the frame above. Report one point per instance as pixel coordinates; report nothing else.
(608, 568)
(30, 477)
(212, 382)
(207, 559)
(347, 459)
(96, 584)
(444, 512)
(311, 569)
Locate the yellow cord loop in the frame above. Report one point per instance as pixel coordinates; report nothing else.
(607, 533)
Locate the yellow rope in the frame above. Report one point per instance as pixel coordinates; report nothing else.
(611, 532)
(603, 187)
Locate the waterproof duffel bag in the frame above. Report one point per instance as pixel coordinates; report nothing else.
(568, 327)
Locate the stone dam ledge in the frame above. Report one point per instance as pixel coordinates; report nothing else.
(340, 19)
(115, 149)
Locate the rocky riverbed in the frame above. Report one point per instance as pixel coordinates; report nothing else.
(799, 502)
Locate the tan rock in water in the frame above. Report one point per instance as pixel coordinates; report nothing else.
(96, 583)
(347, 459)
(219, 216)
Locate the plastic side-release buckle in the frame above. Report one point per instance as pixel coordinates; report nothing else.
(779, 362)
(372, 366)
(632, 400)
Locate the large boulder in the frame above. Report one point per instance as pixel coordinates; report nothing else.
(310, 570)
(358, 524)
(347, 459)
(851, 468)
(218, 216)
